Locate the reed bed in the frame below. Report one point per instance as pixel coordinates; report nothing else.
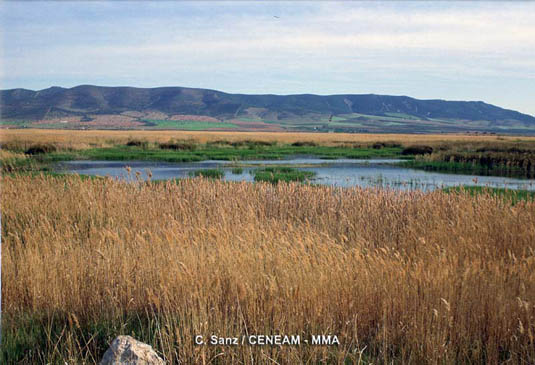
(13, 161)
(399, 277)
(23, 139)
(502, 163)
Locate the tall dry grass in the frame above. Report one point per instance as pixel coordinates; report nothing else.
(13, 161)
(405, 277)
(76, 140)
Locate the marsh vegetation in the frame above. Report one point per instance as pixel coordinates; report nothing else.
(275, 174)
(405, 277)
(209, 173)
(493, 156)
(399, 277)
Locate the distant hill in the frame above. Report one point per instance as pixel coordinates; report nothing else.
(172, 107)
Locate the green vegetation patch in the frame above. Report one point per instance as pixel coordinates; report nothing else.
(379, 117)
(201, 152)
(32, 338)
(402, 115)
(250, 119)
(277, 173)
(210, 173)
(509, 160)
(18, 123)
(507, 194)
(17, 164)
(465, 168)
(187, 125)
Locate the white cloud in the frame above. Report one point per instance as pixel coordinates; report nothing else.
(339, 44)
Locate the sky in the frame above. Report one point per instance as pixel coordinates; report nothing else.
(427, 50)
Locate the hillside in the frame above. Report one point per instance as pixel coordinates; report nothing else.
(186, 108)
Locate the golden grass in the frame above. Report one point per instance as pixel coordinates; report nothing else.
(9, 155)
(12, 161)
(407, 277)
(84, 139)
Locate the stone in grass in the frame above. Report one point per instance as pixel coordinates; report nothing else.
(125, 350)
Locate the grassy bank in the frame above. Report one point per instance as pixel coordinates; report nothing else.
(468, 168)
(398, 277)
(510, 161)
(513, 196)
(195, 152)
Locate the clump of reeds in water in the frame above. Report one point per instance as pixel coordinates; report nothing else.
(275, 174)
(208, 173)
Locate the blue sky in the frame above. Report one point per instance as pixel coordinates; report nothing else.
(429, 50)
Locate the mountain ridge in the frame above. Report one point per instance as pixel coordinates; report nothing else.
(86, 101)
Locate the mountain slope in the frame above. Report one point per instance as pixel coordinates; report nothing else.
(86, 101)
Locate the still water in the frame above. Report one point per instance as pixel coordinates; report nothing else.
(343, 172)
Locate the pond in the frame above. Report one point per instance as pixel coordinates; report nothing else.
(342, 172)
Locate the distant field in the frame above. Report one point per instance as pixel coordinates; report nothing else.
(14, 122)
(259, 120)
(402, 115)
(389, 122)
(188, 125)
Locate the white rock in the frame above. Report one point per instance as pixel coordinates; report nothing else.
(125, 350)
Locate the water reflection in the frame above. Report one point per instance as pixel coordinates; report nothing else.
(342, 172)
